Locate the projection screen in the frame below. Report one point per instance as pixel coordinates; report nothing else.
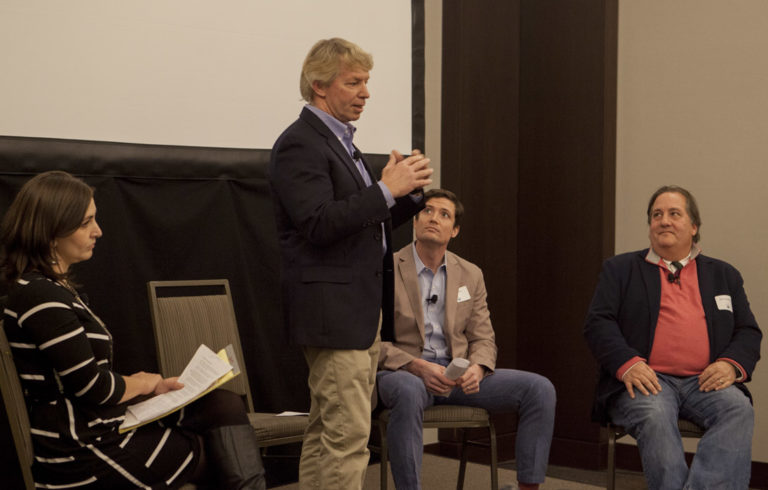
(191, 72)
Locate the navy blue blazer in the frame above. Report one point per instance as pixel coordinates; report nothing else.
(621, 321)
(335, 277)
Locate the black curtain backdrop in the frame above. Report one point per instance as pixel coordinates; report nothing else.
(173, 213)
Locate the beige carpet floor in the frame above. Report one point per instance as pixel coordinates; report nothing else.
(440, 474)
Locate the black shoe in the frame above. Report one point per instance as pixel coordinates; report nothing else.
(236, 458)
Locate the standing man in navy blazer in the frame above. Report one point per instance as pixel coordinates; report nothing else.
(674, 337)
(334, 222)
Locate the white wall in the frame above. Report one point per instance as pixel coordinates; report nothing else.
(191, 72)
(693, 111)
(433, 79)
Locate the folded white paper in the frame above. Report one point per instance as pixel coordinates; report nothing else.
(206, 371)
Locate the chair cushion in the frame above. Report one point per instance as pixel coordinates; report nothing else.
(448, 414)
(268, 426)
(689, 429)
(686, 428)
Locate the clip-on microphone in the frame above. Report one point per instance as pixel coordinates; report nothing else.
(675, 277)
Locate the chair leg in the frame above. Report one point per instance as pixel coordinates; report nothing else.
(494, 457)
(462, 461)
(384, 456)
(611, 471)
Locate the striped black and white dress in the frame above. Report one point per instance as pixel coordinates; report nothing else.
(63, 354)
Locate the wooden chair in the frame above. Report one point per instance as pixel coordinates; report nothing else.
(16, 409)
(444, 417)
(686, 428)
(186, 314)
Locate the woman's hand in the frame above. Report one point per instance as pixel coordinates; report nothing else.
(168, 384)
(142, 383)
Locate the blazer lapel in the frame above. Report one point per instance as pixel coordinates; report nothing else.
(453, 280)
(707, 292)
(343, 155)
(335, 145)
(406, 269)
(365, 164)
(650, 274)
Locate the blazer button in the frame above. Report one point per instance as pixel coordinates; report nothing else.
(378, 273)
(377, 237)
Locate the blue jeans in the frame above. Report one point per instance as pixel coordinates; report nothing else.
(506, 390)
(724, 454)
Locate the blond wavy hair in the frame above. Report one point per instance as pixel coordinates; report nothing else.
(324, 61)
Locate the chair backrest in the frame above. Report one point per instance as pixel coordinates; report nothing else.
(186, 314)
(16, 409)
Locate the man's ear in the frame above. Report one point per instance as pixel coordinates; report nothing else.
(319, 89)
(455, 231)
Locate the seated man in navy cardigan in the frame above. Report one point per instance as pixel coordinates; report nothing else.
(674, 337)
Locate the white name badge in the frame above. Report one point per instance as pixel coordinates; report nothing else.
(463, 294)
(724, 302)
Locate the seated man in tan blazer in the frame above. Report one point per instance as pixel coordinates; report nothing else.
(441, 314)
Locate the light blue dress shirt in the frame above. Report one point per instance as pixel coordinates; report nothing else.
(431, 285)
(345, 132)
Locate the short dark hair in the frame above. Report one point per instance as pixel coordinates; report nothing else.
(445, 193)
(50, 205)
(690, 206)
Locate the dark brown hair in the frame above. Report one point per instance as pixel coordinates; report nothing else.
(445, 193)
(690, 206)
(50, 205)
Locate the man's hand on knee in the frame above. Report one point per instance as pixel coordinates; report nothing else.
(717, 376)
(470, 381)
(642, 377)
(432, 376)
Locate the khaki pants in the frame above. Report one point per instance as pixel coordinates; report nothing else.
(335, 451)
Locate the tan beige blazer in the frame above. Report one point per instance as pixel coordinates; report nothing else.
(467, 323)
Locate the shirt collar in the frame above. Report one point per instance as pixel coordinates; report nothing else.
(654, 258)
(419, 264)
(339, 129)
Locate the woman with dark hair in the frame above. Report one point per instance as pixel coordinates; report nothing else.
(63, 354)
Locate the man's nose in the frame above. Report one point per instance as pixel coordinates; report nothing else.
(364, 91)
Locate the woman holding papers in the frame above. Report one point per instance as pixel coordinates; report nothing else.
(63, 354)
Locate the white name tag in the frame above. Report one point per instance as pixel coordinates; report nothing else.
(724, 302)
(463, 294)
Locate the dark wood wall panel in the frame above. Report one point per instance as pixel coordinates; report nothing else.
(529, 105)
(566, 199)
(480, 145)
